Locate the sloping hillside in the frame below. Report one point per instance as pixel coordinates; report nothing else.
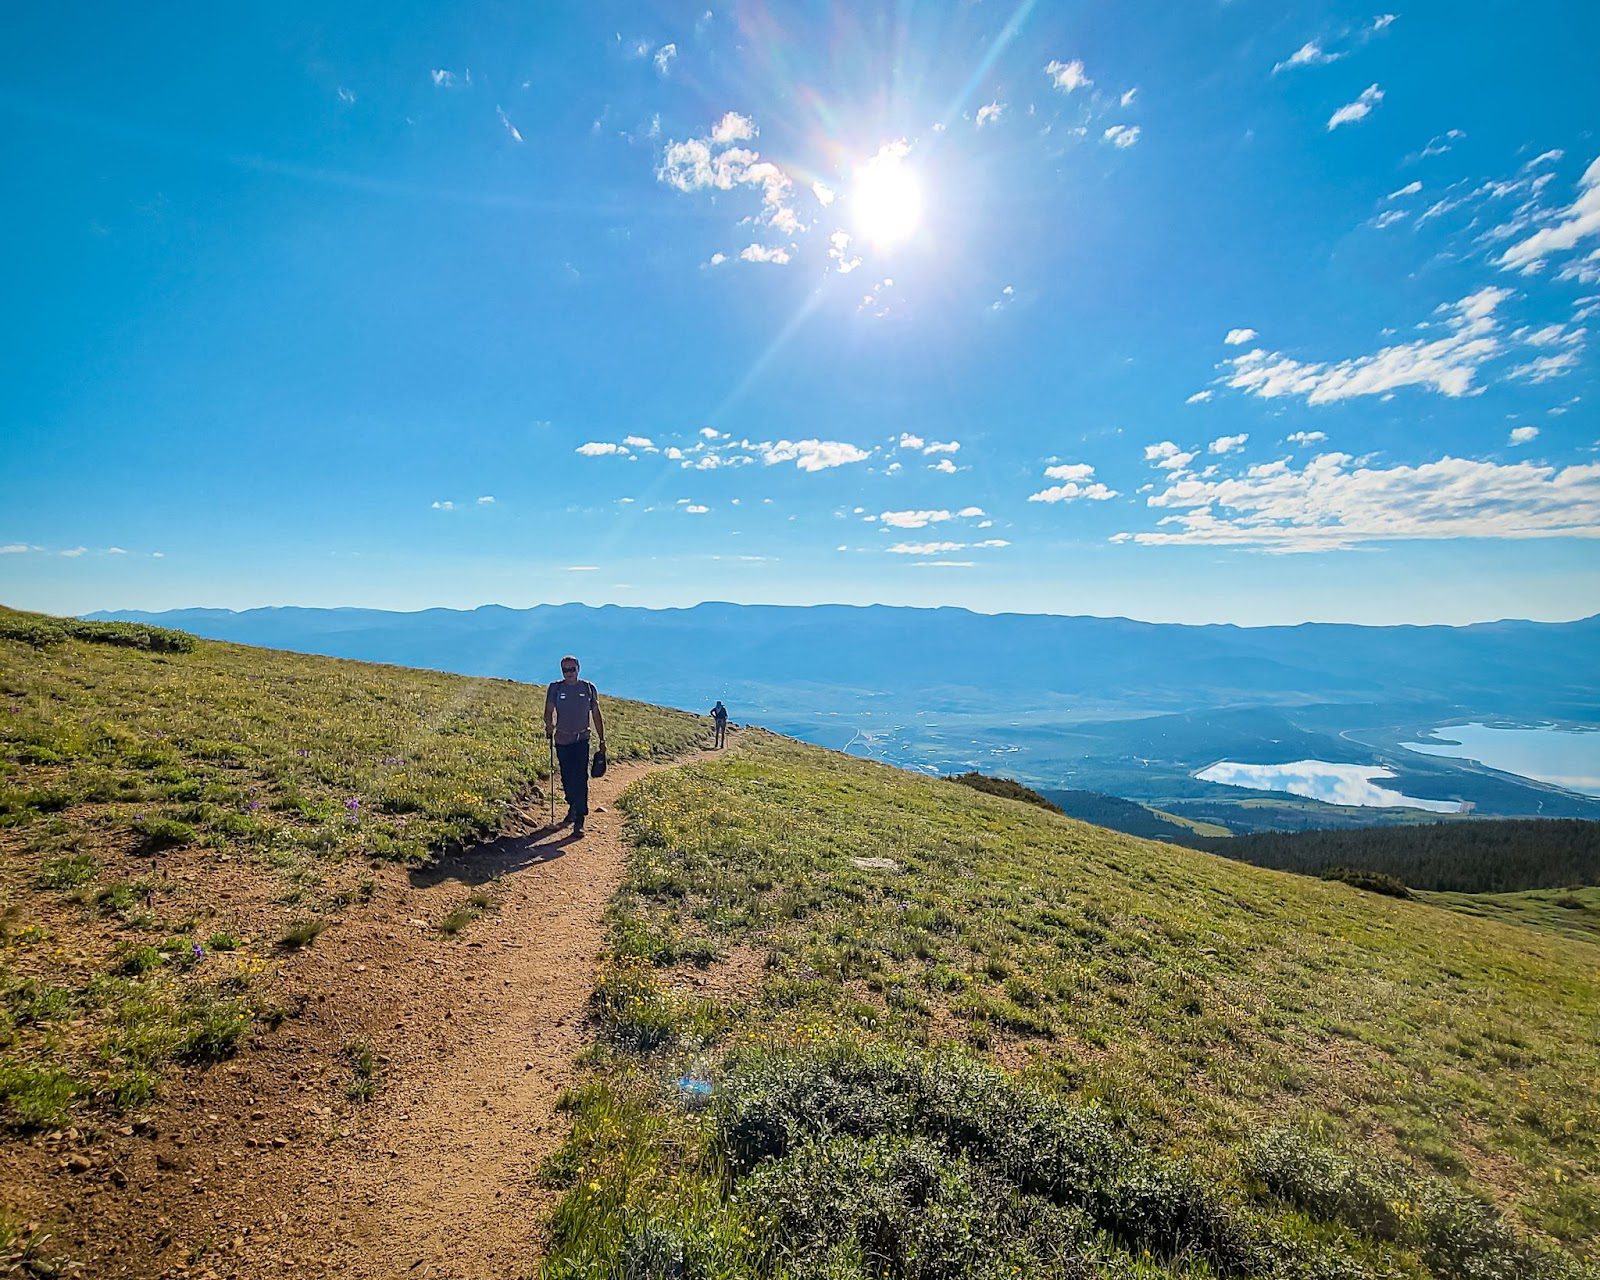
(1275, 1059)
(184, 828)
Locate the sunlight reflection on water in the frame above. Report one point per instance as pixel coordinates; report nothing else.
(1349, 784)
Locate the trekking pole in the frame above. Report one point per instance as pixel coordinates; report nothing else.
(550, 780)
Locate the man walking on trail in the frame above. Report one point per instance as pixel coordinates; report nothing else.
(719, 725)
(569, 705)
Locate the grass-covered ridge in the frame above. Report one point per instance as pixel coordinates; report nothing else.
(128, 754)
(1296, 1077)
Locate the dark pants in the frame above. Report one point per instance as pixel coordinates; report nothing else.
(719, 731)
(574, 760)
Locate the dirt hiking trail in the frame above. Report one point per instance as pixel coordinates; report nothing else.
(443, 1179)
(264, 1167)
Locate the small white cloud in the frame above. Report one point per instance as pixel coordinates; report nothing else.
(74, 552)
(158, 555)
(1306, 437)
(925, 548)
(1168, 456)
(913, 519)
(894, 468)
(942, 446)
(1360, 109)
(717, 259)
(1067, 76)
(839, 250)
(1410, 189)
(1071, 492)
(1006, 295)
(1310, 54)
(115, 551)
(664, 56)
(811, 455)
(487, 500)
(990, 114)
(1238, 337)
(1388, 218)
(1122, 135)
(1077, 482)
(346, 96)
(599, 449)
(909, 441)
(511, 129)
(695, 509)
(1523, 435)
(581, 568)
(1200, 397)
(823, 192)
(969, 513)
(444, 504)
(14, 549)
(778, 256)
(1227, 444)
(733, 127)
(992, 542)
(711, 433)
(444, 79)
(1382, 21)
(640, 442)
(1544, 368)
(1127, 98)
(944, 466)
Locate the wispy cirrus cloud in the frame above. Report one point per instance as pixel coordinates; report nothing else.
(1575, 223)
(1447, 365)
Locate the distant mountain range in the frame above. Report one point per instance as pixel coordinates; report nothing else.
(950, 659)
(1134, 709)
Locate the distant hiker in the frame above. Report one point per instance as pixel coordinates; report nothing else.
(569, 705)
(719, 725)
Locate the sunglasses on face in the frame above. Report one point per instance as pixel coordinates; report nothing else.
(569, 668)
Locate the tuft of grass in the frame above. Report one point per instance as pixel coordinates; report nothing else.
(366, 1078)
(158, 834)
(222, 941)
(66, 873)
(35, 1097)
(302, 933)
(457, 919)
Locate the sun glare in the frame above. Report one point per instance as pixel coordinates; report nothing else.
(886, 198)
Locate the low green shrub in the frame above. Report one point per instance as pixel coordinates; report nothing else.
(1371, 881)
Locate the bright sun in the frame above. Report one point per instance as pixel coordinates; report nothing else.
(887, 198)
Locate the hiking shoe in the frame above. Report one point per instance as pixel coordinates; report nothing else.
(577, 827)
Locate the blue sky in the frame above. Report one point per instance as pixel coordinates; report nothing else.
(1204, 312)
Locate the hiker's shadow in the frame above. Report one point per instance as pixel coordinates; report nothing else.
(484, 862)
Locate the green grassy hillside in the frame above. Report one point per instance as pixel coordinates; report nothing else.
(1209, 1068)
(146, 778)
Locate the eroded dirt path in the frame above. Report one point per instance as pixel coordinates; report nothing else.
(263, 1166)
(441, 1179)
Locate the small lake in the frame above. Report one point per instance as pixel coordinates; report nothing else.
(1568, 758)
(1350, 784)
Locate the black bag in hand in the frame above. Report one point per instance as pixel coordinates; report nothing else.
(597, 766)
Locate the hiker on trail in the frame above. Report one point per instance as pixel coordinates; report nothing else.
(569, 705)
(719, 725)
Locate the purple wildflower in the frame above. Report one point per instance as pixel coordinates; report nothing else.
(199, 952)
